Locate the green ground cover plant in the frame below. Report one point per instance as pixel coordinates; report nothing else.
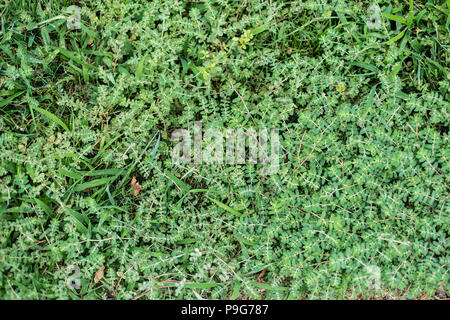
(359, 207)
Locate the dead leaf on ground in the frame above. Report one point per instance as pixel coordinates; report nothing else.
(99, 274)
(135, 186)
(261, 275)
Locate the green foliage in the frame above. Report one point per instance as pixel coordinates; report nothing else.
(364, 170)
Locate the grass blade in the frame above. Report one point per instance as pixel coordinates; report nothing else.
(225, 207)
(92, 184)
(52, 117)
(11, 98)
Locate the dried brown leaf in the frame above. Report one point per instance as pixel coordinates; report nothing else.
(135, 186)
(99, 274)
